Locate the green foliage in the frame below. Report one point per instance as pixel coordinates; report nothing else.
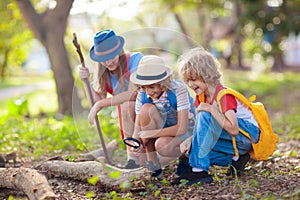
(25, 80)
(271, 22)
(15, 37)
(93, 180)
(40, 136)
(18, 107)
(90, 194)
(125, 185)
(114, 174)
(111, 195)
(52, 134)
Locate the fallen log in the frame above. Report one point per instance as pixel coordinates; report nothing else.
(83, 170)
(98, 153)
(29, 181)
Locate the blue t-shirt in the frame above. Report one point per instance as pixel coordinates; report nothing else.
(134, 60)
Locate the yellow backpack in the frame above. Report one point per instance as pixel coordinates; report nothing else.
(266, 144)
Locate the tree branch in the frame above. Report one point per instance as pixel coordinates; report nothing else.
(32, 183)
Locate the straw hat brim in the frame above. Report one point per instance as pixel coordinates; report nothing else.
(134, 78)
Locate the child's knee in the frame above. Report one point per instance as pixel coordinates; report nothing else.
(146, 108)
(128, 107)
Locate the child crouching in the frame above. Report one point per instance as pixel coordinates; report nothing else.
(211, 143)
(164, 112)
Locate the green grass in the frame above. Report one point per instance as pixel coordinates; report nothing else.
(24, 80)
(41, 101)
(53, 134)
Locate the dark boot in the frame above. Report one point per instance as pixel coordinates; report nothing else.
(192, 177)
(131, 164)
(183, 165)
(156, 171)
(237, 167)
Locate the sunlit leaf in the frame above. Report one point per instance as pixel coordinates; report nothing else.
(93, 180)
(156, 193)
(90, 194)
(115, 174)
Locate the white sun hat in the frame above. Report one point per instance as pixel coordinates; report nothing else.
(151, 69)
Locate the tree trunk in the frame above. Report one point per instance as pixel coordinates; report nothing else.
(49, 28)
(181, 25)
(29, 181)
(3, 66)
(238, 38)
(278, 62)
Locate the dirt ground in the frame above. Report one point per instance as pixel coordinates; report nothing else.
(277, 178)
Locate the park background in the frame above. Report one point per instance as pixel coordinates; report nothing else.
(43, 108)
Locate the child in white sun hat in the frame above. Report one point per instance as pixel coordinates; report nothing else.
(165, 113)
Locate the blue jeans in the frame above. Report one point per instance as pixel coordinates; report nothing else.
(212, 145)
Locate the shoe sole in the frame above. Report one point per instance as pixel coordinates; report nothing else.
(202, 180)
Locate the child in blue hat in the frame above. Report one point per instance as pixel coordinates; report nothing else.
(114, 67)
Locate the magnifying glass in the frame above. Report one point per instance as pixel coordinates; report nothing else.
(132, 142)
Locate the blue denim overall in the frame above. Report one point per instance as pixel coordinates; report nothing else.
(170, 118)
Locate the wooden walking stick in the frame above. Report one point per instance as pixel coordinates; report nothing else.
(89, 94)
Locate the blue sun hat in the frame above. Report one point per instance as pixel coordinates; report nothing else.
(106, 45)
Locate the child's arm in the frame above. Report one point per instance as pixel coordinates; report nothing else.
(228, 120)
(118, 99)
(129, 95)
(137, 127)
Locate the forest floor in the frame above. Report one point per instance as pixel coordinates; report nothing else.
(277, 178)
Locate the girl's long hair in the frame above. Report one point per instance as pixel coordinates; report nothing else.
(104, 74)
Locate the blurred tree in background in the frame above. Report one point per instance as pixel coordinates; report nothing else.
(241, 33)
(15, 37)
(273, 20)
(48, 24)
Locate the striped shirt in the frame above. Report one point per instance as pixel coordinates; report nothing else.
(181, 96)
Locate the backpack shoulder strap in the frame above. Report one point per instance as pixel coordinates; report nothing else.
(127, 72)
(237, 95)
(172, 98)
(145, 99)
(241, 98)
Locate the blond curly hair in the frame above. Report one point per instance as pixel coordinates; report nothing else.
(198, 63)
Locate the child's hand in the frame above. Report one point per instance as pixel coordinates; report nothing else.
(83, 73)
(204, 107)
(185, 146)
(138, 150)
(93, 112)
(147, 134)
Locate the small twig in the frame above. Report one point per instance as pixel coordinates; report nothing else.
(78, 49)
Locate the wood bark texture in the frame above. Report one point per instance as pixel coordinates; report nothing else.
(90, 164)
(29, 181)
(83, 170)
